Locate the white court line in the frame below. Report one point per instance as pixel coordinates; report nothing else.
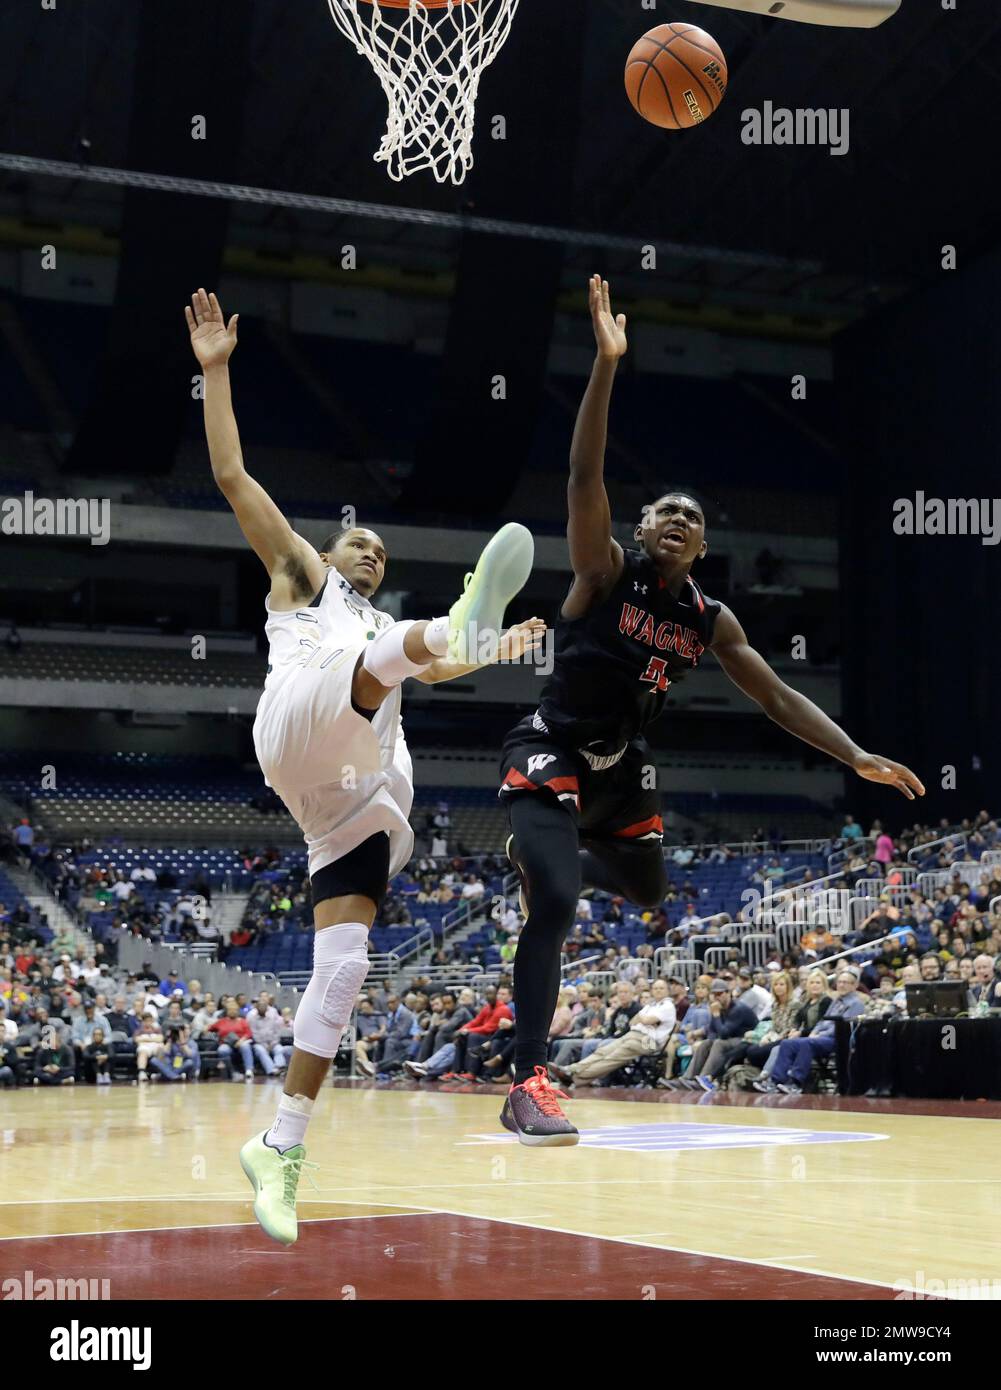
(226, 1225)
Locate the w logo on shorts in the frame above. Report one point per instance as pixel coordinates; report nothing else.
(538, 761)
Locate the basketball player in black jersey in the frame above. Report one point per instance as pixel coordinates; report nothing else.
(578, 778)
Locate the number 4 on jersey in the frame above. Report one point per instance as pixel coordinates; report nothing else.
(656, 673)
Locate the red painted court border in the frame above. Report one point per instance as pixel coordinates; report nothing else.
(433, 1257)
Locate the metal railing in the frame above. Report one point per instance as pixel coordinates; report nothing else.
(667, 962)
(715, 957)
(756, 948)
(864, 845)
(957, 839)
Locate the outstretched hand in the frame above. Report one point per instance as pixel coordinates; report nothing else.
(521, 638)
(212, 338)
(876, 769)
(609, 329)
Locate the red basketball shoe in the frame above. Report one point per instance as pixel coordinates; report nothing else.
(532, 1111)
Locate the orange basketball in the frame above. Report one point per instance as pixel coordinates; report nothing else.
(676, 76)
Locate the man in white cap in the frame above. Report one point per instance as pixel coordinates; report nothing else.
(797, 1055)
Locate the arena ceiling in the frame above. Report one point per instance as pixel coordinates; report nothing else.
(921, 91)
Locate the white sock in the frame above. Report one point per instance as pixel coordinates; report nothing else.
(436, 636)
(290, 1123)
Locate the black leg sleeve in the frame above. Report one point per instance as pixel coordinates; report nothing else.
(546, 847)
(635, 873)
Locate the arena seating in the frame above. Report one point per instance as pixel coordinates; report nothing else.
(68, 661)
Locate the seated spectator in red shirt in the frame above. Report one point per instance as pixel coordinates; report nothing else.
(470, 1039)
(233, 1031)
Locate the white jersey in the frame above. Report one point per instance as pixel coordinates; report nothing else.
(342, 776)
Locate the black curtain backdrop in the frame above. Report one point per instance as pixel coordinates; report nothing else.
(919, 388)
(191, 61)
(501, 319)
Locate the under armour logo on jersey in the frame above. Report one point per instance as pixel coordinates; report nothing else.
(540, 760)
(640, 588)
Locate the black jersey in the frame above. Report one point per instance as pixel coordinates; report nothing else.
(613, 666)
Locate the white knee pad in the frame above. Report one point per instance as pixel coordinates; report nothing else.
(340, 964)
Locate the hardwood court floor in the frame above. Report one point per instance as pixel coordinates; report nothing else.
(421, 1194)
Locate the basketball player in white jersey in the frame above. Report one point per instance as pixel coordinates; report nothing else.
(329, 738)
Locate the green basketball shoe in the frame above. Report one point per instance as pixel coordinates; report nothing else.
(274, 1177)
(477, 616)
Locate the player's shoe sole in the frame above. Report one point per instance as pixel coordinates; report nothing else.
(476, 617)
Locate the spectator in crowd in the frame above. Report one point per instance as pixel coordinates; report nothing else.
(758, 999)
(931, 967)
(170, 983)
(690, 919)
(179, 1060)
(692, 1028)
(763, 1041)
(497, 1053)
(24, 839)
(84, 1025)
(437, 1051)
(851, 830)
(884, 851)
(173, 1015)
(97, 1058)
(8, 1028)
(648, 1031)
(470, 1039)
(729, 1020)
(265, 1024)
(585, 1027)
(982, 980)
(10, 1064)
(393, 1038)
(797, 1055)
(233, 1032)
(910, 975)
(53, 1062)
(118, 1018)
(148, 1040)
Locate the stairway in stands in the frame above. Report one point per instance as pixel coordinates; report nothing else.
(227, 912)
(38, 894)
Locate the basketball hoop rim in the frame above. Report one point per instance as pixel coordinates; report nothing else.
(427, 4)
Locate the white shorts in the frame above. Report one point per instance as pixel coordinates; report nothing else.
(343, 777)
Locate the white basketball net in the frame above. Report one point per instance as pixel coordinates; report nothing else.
(429, 62)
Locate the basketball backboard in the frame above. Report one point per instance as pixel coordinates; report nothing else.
(844, 14)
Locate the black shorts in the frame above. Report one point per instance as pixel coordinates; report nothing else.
(619, 803)
(363, 870)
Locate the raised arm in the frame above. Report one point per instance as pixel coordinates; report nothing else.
(596, 558)
(285, 555)
(795, 713)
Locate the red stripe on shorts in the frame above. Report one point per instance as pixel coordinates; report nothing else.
(516, 779)
(642, 827)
